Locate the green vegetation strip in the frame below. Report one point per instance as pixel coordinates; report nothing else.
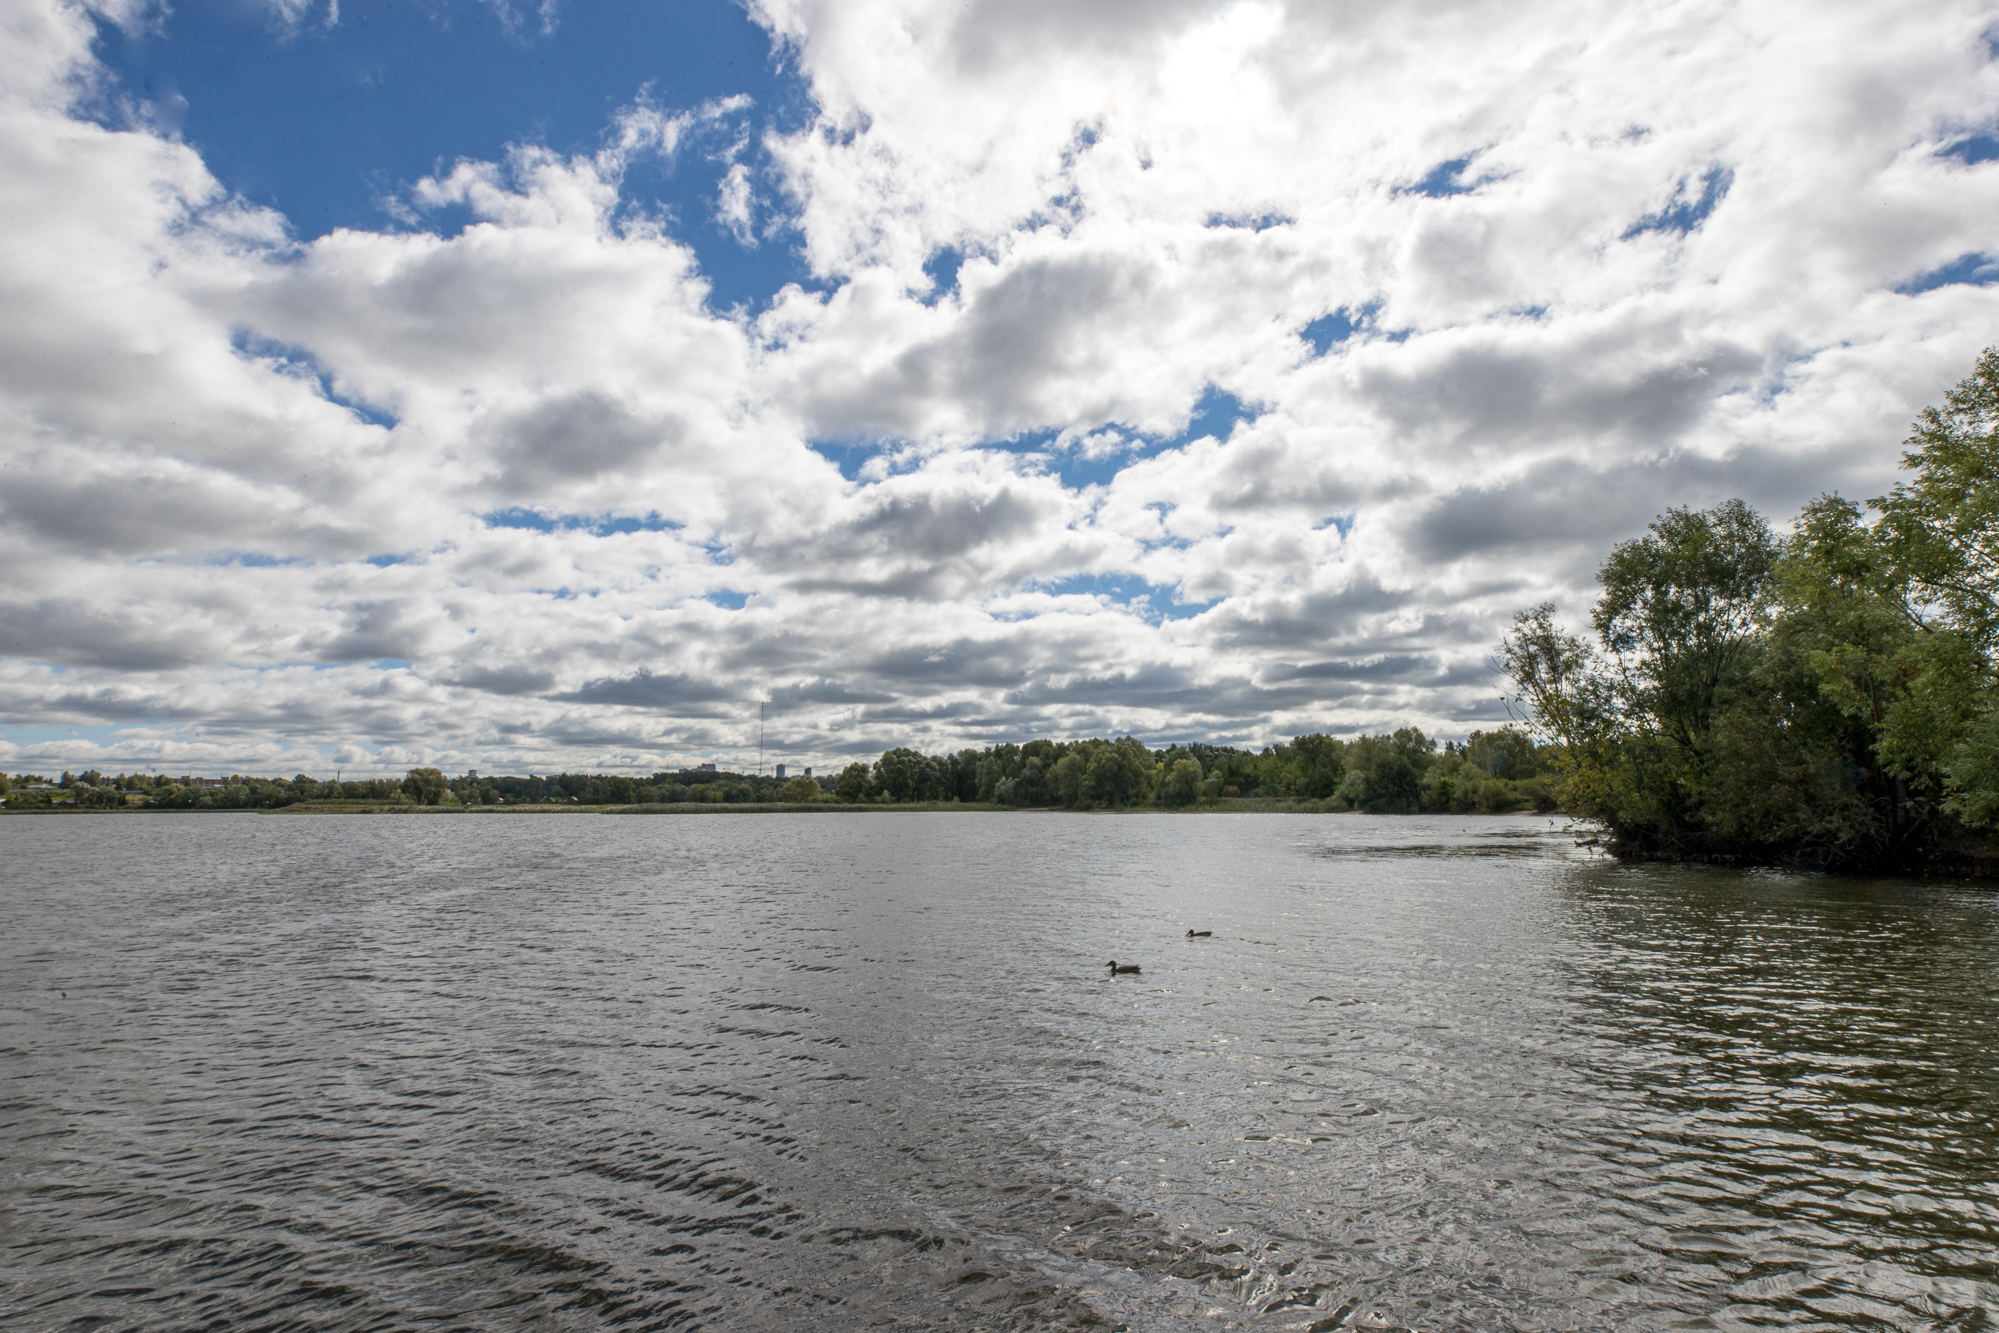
(1491, 772)
(1824, 699)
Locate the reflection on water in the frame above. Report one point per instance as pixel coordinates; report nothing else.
(754, 1072)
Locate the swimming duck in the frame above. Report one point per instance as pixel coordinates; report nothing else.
(1118, 971)
(1199, 934)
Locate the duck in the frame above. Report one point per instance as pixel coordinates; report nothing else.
(1199, 934)
(1122, 969)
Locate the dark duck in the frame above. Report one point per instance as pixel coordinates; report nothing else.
(1122, 969)
(1199, 934)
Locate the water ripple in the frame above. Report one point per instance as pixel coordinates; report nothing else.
(680, 1073)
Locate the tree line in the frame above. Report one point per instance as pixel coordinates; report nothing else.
(92, 789)
(1823, 698)
(1400, 772)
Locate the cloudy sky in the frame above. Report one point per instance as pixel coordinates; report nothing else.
(523, 388)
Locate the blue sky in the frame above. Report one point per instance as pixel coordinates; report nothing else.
(322, 121)
(427, 383)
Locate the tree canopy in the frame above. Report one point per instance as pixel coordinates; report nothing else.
(1404, 771)
(1826, 698)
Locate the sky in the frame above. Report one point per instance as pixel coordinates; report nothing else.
(484, 385)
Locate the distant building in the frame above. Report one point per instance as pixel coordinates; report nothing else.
(471, 775)
(780, 772)
(808, 772)
(701, 768)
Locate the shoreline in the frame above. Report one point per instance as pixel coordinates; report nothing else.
(1246, 805)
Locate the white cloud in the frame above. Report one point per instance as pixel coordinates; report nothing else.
(1589, 261)
(734, 204)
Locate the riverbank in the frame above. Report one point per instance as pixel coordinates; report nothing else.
(1224, 806)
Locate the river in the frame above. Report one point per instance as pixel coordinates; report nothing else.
(870, 1071)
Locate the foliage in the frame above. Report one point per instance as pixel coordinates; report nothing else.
(800, 790)
(1180, 784)
(426, 786)
(1825, 700)
(1492, 771)
(855, 784)
(1940, 529)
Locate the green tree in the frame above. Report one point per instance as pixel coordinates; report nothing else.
(1116, 774)
(904, 775)
(1679, 621)
(1939, 543)
(855, 785)
(1395, 786)
(1565, 695)
(1505, 752)
(1318, 765)
(1941, 529)
(426, 786)
(990, 771)
(798, 790)
(1829, 698)
(1679, 608)
(1182, 783)
(1065, 779)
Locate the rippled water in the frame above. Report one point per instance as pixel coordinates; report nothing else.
(746, 1072)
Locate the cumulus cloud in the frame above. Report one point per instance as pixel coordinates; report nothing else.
(1486, 287)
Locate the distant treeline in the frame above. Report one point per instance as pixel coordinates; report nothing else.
(1403, 772)
(1825, 699)
(1400, 773)
(421, 786)
(92, 789)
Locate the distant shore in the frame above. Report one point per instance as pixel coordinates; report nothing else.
(1489, 773)
(1227, 805)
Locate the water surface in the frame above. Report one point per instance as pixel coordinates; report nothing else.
(748, 1072)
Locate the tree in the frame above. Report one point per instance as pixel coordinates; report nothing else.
(1680, 619)
(1827, 699)
(426, 786)
(1181, 783)
(1941, 529)
(855, 785)
(904, 775)
(960, 773)
(1506, 752)
(1116, 774)
(1317, 765)
(1564, 694)
(1065, 780)
(799, 789)
(1394, 787)
(1384, 774)
(1679, 608)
